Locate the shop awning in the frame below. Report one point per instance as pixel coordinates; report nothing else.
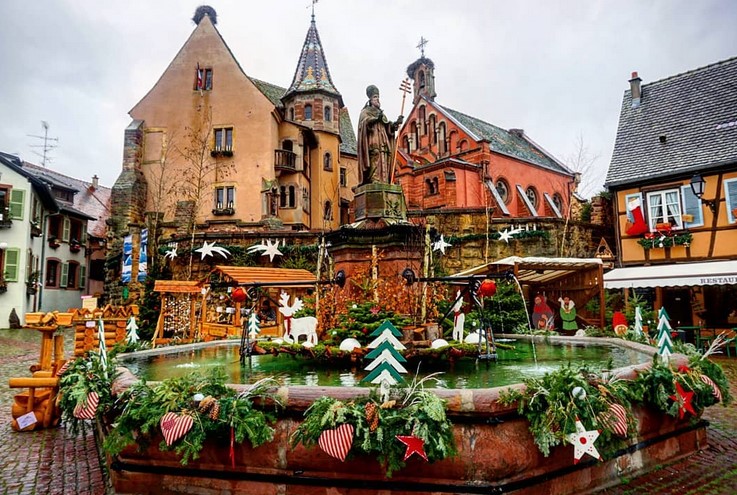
(673, 275)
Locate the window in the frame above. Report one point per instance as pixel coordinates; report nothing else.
(54, 226)
(432, 186)
(287, 196)
(64, 195)
(224, 197)
(16, 204)
(308, 112)
(327, 162)
(502, 188)
(203, 79)
(692, 206)
(66, 229)
(433, 130)
(287, 145)
(532, 196)
(328, 114)
(442, 144)
(405, 143)
(223, 139)
(343, 179)
(463, 145)
(291, 113)
(664, 208)
(76, 233)
(9, 264)
(306, 200)
(52, 273)
(415, 126)
(423, 120)
(558, 202)
(72, 271)
(730, 194)
(327, 211)
(82, 277)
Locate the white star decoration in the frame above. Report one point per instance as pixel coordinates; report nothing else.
(507, 234)
(209, 249)
(268, 249)
(583, 442)
(171, 254)
(440, 245)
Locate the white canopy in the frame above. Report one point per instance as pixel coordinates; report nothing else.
(673, 275)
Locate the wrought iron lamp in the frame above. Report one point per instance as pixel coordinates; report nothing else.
(697, 186)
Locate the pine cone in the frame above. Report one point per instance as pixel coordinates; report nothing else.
(215, 412)
(206, 404)
(372, 416)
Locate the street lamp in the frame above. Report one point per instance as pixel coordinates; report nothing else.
(697, 186)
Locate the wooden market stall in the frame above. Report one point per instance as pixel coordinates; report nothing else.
(178, 317)
(221, 307)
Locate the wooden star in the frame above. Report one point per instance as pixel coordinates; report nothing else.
(414, 446)
(684, 400)
(583, 442)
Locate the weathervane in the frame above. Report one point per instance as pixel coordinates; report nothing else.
(313, 8)
(421, 44)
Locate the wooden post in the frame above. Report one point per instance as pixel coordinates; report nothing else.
(602, 298)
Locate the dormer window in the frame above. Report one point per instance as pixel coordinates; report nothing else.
(328, 114)
(308, 112)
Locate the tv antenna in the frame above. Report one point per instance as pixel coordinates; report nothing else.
(49, 144)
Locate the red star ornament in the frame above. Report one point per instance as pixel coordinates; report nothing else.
(414, 446)
(583, 442)
(684, 400)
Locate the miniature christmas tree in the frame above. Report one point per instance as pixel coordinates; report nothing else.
(253, 325)
(638, 321)
(664, 342)
(132, 330)
(385, 368)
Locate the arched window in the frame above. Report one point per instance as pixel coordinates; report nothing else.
(453, 142)
(291, 113)
(430, 189)
(327, 162)
(503, 189)
(433, 130)
(421, 79)
(287, 145)
(558, 202)
(406, 143)
(442, 143)
(327, 211)
(415, 126)
(423, 121)
(287, 196)
(308, 112)
(328, 114)
(463, 145)
(436, 186)
(532, 196)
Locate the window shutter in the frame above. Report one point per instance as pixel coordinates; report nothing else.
(12, 257)
(66, 229)
(64, 275)
(730, 190)
(17, 197)
(83, 239)
(82, 277)
(692, 206)
(627, 199)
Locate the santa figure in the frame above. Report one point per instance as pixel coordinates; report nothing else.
(619, 322)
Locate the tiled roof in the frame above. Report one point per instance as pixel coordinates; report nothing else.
(506, 143)
(696, 115)
(271, 91)
(312, 72)
(347, 136)
(94, 203)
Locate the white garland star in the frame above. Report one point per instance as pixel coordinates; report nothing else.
(440, 245)
(583, 442)
(209, 249)
(507, 234)
(268, 249)
(171, 254)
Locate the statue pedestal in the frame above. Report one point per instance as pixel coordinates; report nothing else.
(380, 201)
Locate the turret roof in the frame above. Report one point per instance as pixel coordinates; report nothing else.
(312, 72)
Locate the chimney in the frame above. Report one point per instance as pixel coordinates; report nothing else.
(95, 182)
(635, 90)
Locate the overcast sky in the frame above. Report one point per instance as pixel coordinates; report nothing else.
(557, 69)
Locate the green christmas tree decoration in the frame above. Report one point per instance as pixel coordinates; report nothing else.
(386, 325)
(386, 345)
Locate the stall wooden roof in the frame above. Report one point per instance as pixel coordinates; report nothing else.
(255, 275)
(178, 286)
(537, 270)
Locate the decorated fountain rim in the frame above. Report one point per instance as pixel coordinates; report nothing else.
(460, 402)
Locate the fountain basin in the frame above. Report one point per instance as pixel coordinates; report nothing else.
(496, 452)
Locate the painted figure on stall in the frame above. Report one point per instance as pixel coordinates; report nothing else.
(542, 315)
(568, 313)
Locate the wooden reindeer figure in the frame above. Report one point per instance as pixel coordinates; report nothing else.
(459, 318)
(294, 328)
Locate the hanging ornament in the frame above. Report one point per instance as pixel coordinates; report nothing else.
(89, 408)
(337, 442)
(414, 446)
(615, 419)
(578, 393)
(684, 400)
(238, 295)
(63, 369)
(583, 442)
(209, 249)
(507, 234)
(175, 426)
(714, 388)
(440, 245)
(267, 249)
(487, 288)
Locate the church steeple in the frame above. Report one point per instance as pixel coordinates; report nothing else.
(421, 71)
(312, 72)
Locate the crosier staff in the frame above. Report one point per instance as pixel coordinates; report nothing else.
(404, 88)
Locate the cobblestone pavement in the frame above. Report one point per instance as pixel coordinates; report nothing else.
(53, 462)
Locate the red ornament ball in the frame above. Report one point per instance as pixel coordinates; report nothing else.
(487, 288)
(238, 295)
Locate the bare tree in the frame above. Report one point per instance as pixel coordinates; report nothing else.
(199, 172)
(161, 183)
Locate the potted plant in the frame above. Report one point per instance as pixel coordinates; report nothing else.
(74, 246)
(54, 242)
(3, 285)
(32, 282)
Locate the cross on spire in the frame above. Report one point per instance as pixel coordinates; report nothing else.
(313, 8)
(421, 45)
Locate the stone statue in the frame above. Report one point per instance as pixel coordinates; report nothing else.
(375, 141)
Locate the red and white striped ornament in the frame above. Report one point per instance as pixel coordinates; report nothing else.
(337, 442)
(616, 419)
(89, 408)
(175, 426)
(63, 368)
(714, 388)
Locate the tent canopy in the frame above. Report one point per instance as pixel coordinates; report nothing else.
(673, 275)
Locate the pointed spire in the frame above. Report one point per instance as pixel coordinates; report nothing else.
(312, 72)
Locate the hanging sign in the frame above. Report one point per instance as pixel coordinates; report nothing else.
(127, 259)
(143, 256)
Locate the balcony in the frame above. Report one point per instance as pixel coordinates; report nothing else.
(222, 151)
(285, 160)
